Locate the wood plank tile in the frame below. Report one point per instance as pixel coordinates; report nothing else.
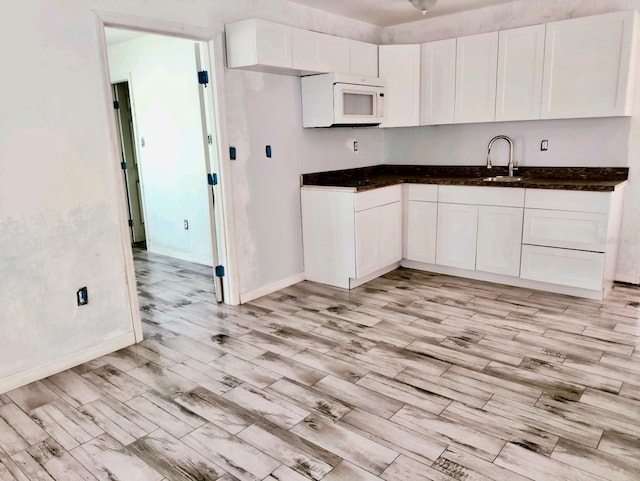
(246, 371)
(9, 470)
(462, 465)
(291, 450)
(230, 453)
(394, 436)
(538, 467)
(330, 365)
(449, 432)
(162, 380)
(115, 383)
(596, 462)
(173, 459)
(31, 396)
(346, 470)
(407, 469)
(356, 395)
(78, 390)
(352, 447)
(268, 406)
(217, 409)
(289, 368)
(623, 446)
(55, 461)
(22, 424)
(108, 460)
(310, 398)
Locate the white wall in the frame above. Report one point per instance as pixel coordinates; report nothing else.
(572, 143)
(59, 226)
(166, 102)
(266, 109)
(582, 142)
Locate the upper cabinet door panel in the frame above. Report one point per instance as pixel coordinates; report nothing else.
(476, 72)
(364, 58)
(400, 68)
(438, 82)
(315, 52)
(520, 66)
(258, 43)
(589, 66)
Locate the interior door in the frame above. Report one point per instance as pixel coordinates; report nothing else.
(131, 176)
(209, 137)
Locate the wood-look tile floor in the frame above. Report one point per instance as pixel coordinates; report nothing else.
(411, 377)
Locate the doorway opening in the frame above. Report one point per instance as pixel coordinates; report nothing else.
(169, 148)
(129, 164)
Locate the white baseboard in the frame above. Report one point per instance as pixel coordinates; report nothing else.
(27, 376)
(269, 288)
(628, 279)
(597, 295)
(353, 283)
(178, 255)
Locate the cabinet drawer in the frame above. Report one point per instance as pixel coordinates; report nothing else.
(568, 200)
(498, 196)
(423, 192)
(562, 266)
(571, 230)
(378, 197)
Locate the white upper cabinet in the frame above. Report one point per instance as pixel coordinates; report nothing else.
(438, 82)
(589, 66)
(399, 66)
(364, 58)
(476, 72)
(315, 52)
(520, 65)
(259, 45)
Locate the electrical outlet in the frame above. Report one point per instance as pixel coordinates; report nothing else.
(186, 224)
(82, 296)
(355, 145)
(544, 145)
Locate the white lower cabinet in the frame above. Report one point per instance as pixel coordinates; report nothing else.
(456, 235)
(349, 235)
(566, 267)
(514, 236)
(422, 219)
(378, 237)
(499, 240)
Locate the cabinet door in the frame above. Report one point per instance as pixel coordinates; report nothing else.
(587, 67)
(520, 63)
(585, 231)
(400, 68)
(563, 266)
(499, 240)
(367, 241)
(315, 52)
(258, 43)
(364, 58)
(456, 235)
(438, 82)
(422, 220)
(476, 72)
(390, 233)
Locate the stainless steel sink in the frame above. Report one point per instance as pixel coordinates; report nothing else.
(503, 178)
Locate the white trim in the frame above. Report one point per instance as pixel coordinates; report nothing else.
(629, 279)
(273, 287)
(27, 376)
(176, 255)
(122, 208)
(215, 40)
(353, 283)
(597, 295)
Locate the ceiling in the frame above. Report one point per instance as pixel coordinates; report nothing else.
(385, 13)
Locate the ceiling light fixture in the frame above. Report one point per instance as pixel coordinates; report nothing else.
(423, 5)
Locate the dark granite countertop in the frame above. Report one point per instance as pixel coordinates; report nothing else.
(599, 179)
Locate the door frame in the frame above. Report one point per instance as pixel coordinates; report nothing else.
(224, 205)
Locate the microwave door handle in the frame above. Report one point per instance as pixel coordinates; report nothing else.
(381, 106)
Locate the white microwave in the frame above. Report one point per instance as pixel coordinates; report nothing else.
(334, 99)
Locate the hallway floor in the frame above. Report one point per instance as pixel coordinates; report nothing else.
(412, 377)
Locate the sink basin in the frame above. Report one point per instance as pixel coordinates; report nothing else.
(503, 178)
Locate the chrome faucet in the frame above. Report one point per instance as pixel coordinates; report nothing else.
(512, 166)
